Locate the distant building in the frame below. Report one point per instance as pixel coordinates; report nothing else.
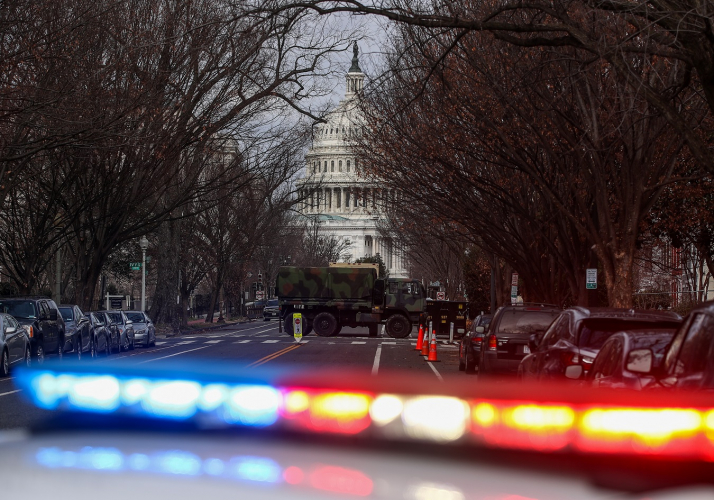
(347, 205)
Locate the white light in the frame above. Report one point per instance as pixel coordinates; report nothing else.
(433, 491)
(172, 399)
(213, 396)
(134, 390)
(435, 417)
(95, 393)
(254, 405)
(385, 409)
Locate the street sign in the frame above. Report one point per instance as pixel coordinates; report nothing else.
(135, 266)
(115, 302)
(259, 295)
(297, 327)
(440, 295)
(514, 288)
(591, 279)
(514, 279)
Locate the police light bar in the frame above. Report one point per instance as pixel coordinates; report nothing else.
(548, 418)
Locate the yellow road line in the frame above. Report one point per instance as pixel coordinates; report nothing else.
(274, 355)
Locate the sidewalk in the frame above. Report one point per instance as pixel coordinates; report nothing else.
(198, 325)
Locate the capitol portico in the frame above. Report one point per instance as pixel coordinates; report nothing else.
(346, 204)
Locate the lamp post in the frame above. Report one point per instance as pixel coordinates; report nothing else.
(144, 244)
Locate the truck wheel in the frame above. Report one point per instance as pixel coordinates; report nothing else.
(398, 327)
(337, 331)
(288, 325)
(373, 330)
(325, 324)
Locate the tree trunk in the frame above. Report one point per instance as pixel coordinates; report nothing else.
(619, 279)
(163, 306)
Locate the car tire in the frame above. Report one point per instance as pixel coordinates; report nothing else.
(93, 347)
(60, 350)
(108, 345)
(125, 346)
(40, 354)
(132, 346)
(398, 326)
(78, 348)
(469, 367)
(153, 342)
(325, 324)
(4, 364)
(462, 364)
(28, 357)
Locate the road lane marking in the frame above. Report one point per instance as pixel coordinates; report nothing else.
(11, 392)
(270, 342)
(270, 357)
(213, 341)
(243, 342)
(438, 375)
(388, 343)
(176, 354)
(112, 358)
(185, 342)
(160, 343)
(377, 356)
(359, 343)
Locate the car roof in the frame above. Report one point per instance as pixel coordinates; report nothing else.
(29, 297)
(622, 313)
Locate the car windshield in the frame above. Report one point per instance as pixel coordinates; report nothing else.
(522, 321)
(24, 309)
(67, 314)
(272, 303)
(135, 317)
(594, 333)
(116, 317)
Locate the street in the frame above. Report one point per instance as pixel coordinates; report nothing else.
(256, 344)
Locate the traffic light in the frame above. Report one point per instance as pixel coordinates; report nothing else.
(260, 280)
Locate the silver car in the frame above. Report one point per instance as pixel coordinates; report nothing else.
(144, 330)
(14, 344)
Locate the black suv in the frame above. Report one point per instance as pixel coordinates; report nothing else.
(509, 333)
(42, 320)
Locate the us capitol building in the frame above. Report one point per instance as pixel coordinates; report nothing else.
(345, 204)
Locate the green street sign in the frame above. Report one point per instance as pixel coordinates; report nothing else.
(135, 266)
(591, 286)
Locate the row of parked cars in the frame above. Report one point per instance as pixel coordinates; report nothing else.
(33, 327)
(605, 347)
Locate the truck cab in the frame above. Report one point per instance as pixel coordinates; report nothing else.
(404, 304)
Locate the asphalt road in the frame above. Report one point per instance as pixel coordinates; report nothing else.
(259, 344)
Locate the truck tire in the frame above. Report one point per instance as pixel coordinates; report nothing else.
(373, 330)
(325, 324)
(337, 330)
(288, 325)
(398, 326)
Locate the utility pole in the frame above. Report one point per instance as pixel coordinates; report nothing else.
(144, 244)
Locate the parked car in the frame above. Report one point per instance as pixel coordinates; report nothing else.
(271, 310)
(612, 363)
(569, 347)
(144, 330)
(125, 329)
(688, 362)
(14, 345)
(101, 333)
(42, 321)
(77, 337)
(509, 333)
(470, 344)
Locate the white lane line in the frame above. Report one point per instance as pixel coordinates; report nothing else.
(160, 343)
(242, 342)
(388, 343)
(375, 365)
(270, 341)
(213, 341)
(172, 355)
(359, 342)
(438, 375)
(186, 342)
(11, 392)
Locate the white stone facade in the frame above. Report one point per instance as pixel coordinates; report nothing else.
(347, 205)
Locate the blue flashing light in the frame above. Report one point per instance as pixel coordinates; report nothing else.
(134, 390)
(179, 462)
(254, 405)
(138, 461)
(174, 399)
(214, 467)
(263, 470)
(87, 458)
(213, 396)
(100, 393)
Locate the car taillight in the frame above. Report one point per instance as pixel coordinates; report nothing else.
(477, 339)
(569, 358)
(492, 344)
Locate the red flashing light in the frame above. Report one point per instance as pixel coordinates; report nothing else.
(328, 411)
(293, 475)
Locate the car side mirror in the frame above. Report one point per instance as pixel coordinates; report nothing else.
(53, 314)
(10, 329)
(129, 322)
(574, 372)
(534, 341)
(640, 361)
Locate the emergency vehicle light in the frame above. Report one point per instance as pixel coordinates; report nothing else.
(558, 422)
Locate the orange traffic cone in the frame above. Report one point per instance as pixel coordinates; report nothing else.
(432, 349)
(425, 345)
(420, 339)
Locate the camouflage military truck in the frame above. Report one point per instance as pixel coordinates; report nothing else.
(330, 298)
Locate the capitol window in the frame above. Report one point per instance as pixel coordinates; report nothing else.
(332, 166)
(325, 166)
(348, 165)
(339, 166)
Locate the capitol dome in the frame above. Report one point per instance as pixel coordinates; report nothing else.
(332, 185)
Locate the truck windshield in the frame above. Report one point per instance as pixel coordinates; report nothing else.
(19, 308)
